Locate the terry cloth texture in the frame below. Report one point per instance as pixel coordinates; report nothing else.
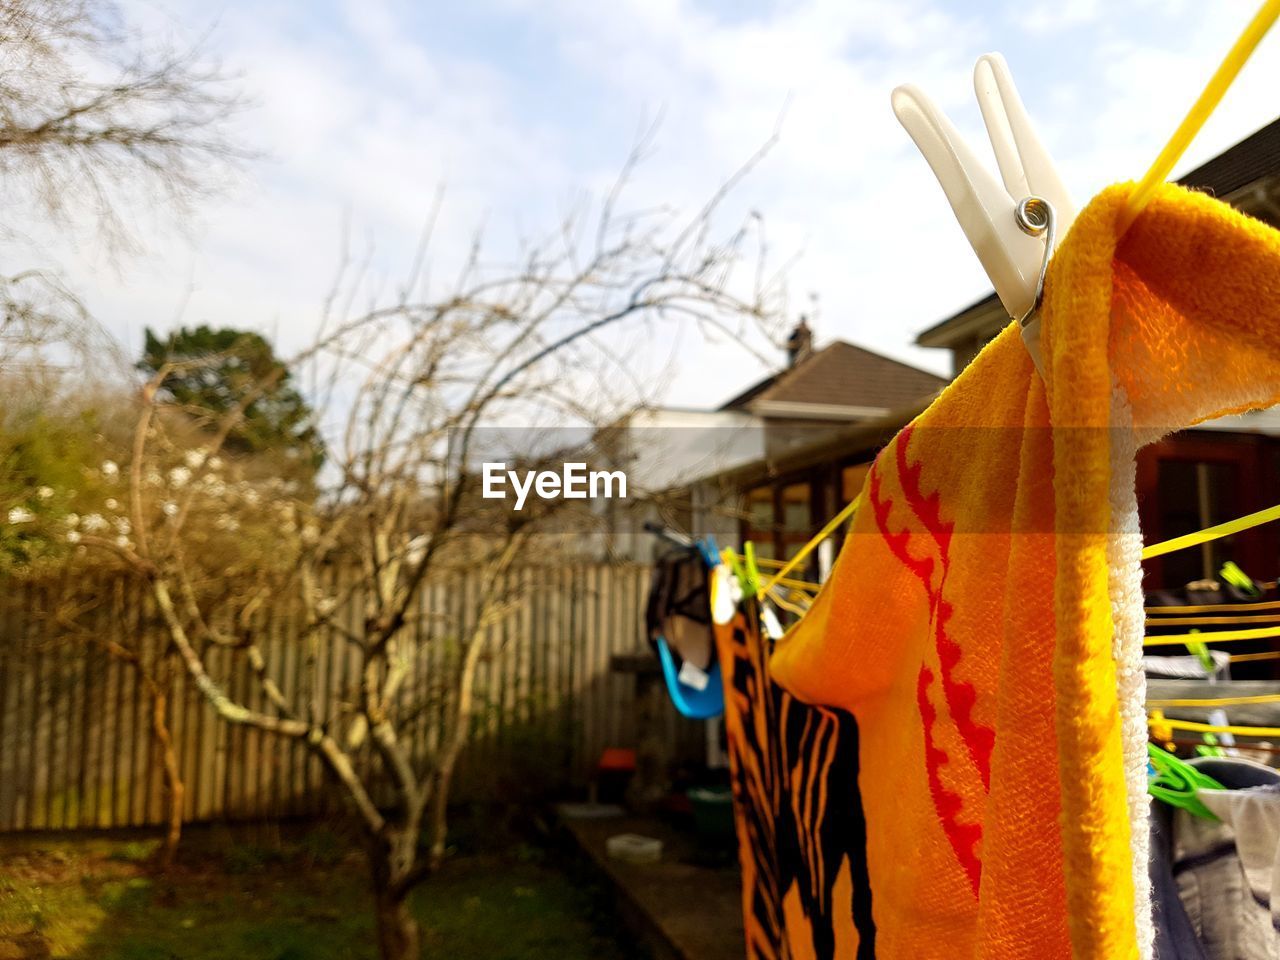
(801, 837)
(983, 623)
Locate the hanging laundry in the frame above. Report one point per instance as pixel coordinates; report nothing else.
(1176, 936)
(984, 621)
(1213, 860)
(679, 606)
(801, 837)
(1189, 668)
(1225, 869)
(678, 622)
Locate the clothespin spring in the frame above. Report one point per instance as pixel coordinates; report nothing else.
(1035, 217)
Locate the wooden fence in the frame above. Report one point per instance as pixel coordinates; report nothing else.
(76, 748)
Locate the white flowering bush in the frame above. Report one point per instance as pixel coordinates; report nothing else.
(227, 517)
(70, 497)
(77, 512)
(42, 460)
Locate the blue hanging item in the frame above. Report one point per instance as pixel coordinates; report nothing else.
(681, 588)
(689, 700)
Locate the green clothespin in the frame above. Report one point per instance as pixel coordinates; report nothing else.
(1210, 747)
(1198, 648)
(1233, 575)
(751, 584)
(1175, 782)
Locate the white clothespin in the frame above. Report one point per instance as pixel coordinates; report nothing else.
(1012, 228)
(726, 593)
(769, 620)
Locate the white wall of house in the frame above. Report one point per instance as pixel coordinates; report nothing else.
(678, 450)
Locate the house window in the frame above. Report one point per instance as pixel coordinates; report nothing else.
(797, 517)
(851, 480)
(1194, 494)
(759, 525)
(782, 518)
(1195, 479)
(779, 519)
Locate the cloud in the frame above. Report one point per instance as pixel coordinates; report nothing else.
(1049, 16)
(366, 108)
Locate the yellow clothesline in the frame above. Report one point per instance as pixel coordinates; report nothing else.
(1200, 111)
(1212, 533)
(1209, 621)
(799, 584)
(770, 562)
(1198, 727)
(777, 581)
(1250, 657)
(1238, 525)
(830, 528)
(1212, 702)
(786, 603)
(1215, 607)
(1212, 636)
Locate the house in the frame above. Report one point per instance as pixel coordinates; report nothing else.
(821, 390)
(1220, 470)
(773, 463)
(811, 410)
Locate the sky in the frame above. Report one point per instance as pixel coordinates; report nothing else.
(362, 111)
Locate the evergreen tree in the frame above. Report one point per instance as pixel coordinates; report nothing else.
(217, 369)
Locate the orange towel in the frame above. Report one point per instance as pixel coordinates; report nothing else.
(983, 623)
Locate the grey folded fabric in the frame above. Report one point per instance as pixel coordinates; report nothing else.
(1227, 872)
(1187, 668)
(1176, 936)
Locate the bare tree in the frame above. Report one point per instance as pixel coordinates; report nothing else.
(45, 331)
(93, 118)
(403, 390)
(94, 121)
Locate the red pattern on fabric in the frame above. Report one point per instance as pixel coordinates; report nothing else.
(960, 696)
(964, 837)
(922, 567)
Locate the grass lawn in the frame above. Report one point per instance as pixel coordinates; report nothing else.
(234, 896)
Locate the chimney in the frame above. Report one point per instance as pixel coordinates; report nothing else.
(800, 343)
